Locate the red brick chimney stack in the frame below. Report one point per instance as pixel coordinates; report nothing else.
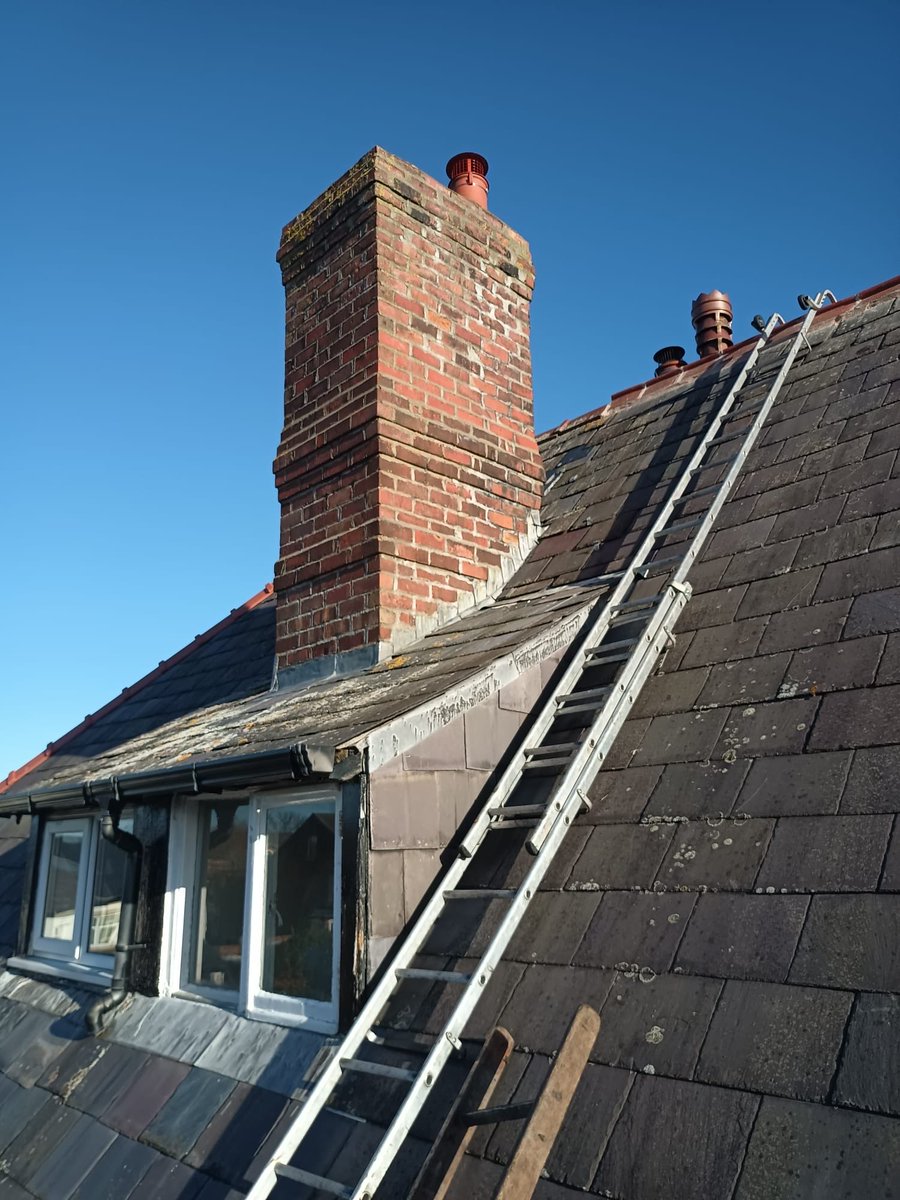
(408, 471)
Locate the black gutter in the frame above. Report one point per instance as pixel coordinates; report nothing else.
(95, 1017)
(289, 764)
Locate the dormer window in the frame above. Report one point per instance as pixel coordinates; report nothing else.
(253, 906)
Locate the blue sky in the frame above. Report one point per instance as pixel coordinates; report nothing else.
(152, 152)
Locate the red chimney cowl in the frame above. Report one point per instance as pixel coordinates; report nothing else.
(711, 317)
(468, 177)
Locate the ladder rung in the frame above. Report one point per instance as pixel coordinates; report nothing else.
(659, 565)
(723, 462)
(704, 491)
(482, 893)
(545, 762)
(364, 1067)
(744, 412)
(723, 438)
(588, 694)
(636, 606)
(319, 1182)
(434, 976)
(551, 749)
(680, 526)
(520, 823)
(518, 810)
(613, 651)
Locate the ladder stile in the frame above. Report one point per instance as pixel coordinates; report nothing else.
(605, 708)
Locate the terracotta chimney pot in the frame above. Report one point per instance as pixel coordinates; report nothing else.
(711, 317)
(468, 177)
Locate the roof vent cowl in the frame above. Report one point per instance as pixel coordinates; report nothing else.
(670, 359)
(467, 173)
(711, 316)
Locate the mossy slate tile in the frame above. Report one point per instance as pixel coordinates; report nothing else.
(545, 1000)
(776, 1039)
(869, 1077)
(850, 942)
(872, 782)
(635, 927)
(733, 936)
(792, 785)
(811, 1150)
(620, 795)
(677, 1140)
(656, 1025)
(864, 717)
(620, 856)
(717, 854)
(696, 790)
(826, 854)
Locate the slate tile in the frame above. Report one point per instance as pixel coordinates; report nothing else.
(704, 789)
(871, 784)
(620, 856)
(733, 936)
(826, 854)
(118, 1172)
(871, 501)
(876, 612)
(245, 1049)
(890, 874)
(698, 1134)
(585, 1132)
(41, 1044)
(133, 1110)
(811, 1150)
(872, 1039)
(749, 535)
(21, 1106)
(656, 1022)
(620, 795)
(777, 1039)
(745, 682)
(884, 439)
(811, 518)
(433, 1013)
(808, 626)
(889, 667)
(778, 594)
(834, 666)
(723, 855)
(670, 693)
(842, 541)
(635, 927)
(680, 737)
(167, 1179)
(524, 1085)
(101, 1087)
(553, 927)
(237, 1132)
(710, 608)
(629, 738)
(794, 785)
(776, 500)
(724, 643)
(73, 1066)
(830, 462)
(780, 727)
(544, 1002)
(38, 1139)
(762, 563)
(766, 480)
(863, 717)
(63, 1170)
(850, 942)
(10, 1190)
(188, 1111)
(856, 475)
(870, 572)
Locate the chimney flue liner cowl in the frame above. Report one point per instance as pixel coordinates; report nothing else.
(467, 173)
(670, 360)
(711, 317)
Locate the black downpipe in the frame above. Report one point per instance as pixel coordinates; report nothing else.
(96, 1015)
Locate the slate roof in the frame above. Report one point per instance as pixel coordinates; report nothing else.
(729, 904)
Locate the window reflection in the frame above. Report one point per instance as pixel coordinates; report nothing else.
(218, 933)
(299, 898)
(62, 886)
(109, 885)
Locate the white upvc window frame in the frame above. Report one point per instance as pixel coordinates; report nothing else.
(68, 952)
(251, 1000)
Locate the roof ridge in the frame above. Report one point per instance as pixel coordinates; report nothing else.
(134, 688)
(616, 400)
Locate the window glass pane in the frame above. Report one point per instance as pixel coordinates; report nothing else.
(299, 925)
(106, 902)
(58, 918)
(218, 926)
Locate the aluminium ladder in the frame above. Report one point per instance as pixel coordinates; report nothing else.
(623, 638)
